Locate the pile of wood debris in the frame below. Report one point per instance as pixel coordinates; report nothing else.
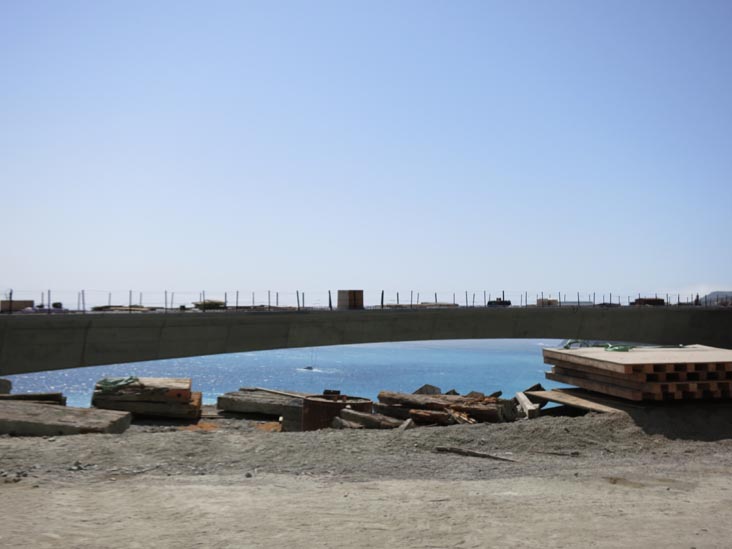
(428, 406)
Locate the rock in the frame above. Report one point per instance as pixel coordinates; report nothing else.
(5, 386)
(428, 389)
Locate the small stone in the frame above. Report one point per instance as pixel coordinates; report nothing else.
(248, 475)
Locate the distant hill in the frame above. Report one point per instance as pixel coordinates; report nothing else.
(717, 297)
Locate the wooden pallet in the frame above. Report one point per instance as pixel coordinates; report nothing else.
(651, 360)
(687, 373)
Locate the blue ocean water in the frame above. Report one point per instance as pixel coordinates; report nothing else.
(509, 365)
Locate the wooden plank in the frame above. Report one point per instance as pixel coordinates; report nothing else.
(529, 408)
(24, 418)
(427, 402)
(431, 417)
(597, 386)
(399, 412)
(340, 423)
(166, 383)
(577, 399)
(370, 421)
(57, 398)
(612, 380)
(553, 355)
(630, 376)
(161, 397)
(276, 392)
(260, 402)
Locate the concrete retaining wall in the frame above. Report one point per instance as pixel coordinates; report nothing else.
(32, 343)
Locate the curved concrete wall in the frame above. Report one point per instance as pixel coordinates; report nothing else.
(33, 343)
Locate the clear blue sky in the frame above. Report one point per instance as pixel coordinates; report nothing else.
(311, 145)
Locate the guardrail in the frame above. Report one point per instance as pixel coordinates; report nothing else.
(134, 301)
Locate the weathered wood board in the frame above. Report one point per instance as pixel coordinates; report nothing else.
(267, 403)
(259, 402)
(578, 398)
(25, 418)
(529, 408)
(598, 386)
(56, 398)
(399, 412)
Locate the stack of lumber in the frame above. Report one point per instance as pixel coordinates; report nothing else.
(266, 402)
(646, 373)
(150, 396)
(445, 409)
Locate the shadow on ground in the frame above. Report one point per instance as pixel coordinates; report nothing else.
(706, 421)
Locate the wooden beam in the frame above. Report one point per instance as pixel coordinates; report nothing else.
(529, 408)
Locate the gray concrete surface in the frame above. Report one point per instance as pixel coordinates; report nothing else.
(33, 343)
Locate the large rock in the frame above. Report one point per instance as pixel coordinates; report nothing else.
(5, 386)
(428, 389)
(23, 418)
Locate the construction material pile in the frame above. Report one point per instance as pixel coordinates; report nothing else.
(691, 372)
(148, 396)
(447, 409)
(428, 406)
(46, 414)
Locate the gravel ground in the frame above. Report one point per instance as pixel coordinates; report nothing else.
(238, 459)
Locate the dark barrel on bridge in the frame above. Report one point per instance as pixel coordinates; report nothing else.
(318, 411)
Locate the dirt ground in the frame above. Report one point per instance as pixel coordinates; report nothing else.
(658, 478)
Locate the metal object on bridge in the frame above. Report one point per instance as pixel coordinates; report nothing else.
(350, 299)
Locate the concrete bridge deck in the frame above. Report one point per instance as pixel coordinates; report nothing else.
(34, 343)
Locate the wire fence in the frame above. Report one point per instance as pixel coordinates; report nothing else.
(169, 301)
